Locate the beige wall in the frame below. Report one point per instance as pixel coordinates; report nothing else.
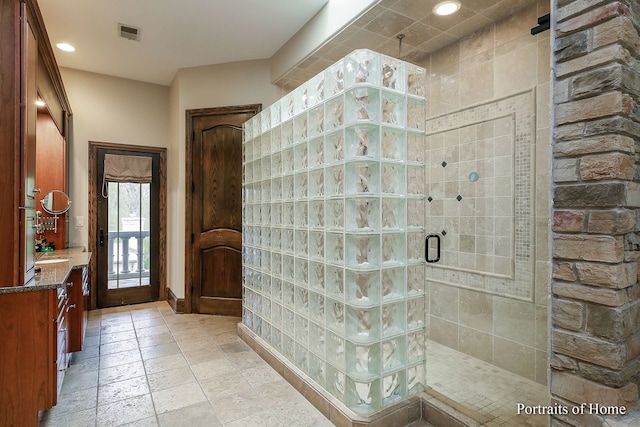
(488, 66)
(108, 109)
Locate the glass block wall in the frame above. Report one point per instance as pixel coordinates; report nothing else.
(333, 229)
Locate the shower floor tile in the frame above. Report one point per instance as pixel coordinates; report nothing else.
(486, 393)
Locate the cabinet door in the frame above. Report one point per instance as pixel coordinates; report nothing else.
(29, 114)
(76, 310)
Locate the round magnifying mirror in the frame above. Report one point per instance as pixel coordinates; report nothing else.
(55, 202)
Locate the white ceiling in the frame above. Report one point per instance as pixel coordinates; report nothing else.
(174, 33)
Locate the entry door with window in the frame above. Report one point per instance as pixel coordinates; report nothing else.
(127, 227)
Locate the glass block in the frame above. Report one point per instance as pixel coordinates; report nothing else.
(363, 397)
(276, 239)
(302, 271)
(287, 241)
(276, 290)
(416, 114)
(363, 361)
(274, 111)
(301, 300)
(276, 339)
(415, 212)
(302, 330)
(288, 347)
(362, 104)
(393, 108)
(393, 283)
(393, 179)
(276, 138)
(265, 308)
(334, 79)
(316, 183)
(316, 213)
(362, 142)
(288, 214)
(316, 276)
(334, 214)
(362, 287)
(415, 280)
(335, 382)
(287, 106)
(334, 114)
(393, 388)
(415, 147)
(416, 80)
(316, 152)
(362, 324)
(416, 379)
(393, 249)
(393, 73)
(362, 214)
(362, 251)
(287, 134)
(335, 316)
(362, 66)
(301, 246)
(393, 144)
(335, 350)
(247, 317)
(334, 248)
(300, 99)
(257, 324)
(275, 168)
(288, 299)
(317, 369)
(393, 214)
(247, 173)
(415, 180)
(415, 347)
(301, 214)
(257, 140)
(362, 178)
(288, 321)
(265, 260)
(393, 318)
(316, 89)
(317, 344)
(393, 354)
(334, 181)
(300, 157)
(415, 313)
(266, 143)
(316, 307)
(276, 189)
(334, 147)
(266, 196)
(415, 247)
(288, 161)
(301, 185)
(316, 121)
(316, 245)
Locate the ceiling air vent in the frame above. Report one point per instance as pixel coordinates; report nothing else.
(129, 32)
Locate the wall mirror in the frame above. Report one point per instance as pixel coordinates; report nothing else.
(55, 202)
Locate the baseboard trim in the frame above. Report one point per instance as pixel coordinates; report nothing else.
(400, 414)
(176, 304)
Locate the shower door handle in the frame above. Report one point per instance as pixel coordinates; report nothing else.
(426, 248)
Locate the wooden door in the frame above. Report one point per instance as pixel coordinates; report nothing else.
(214, 209)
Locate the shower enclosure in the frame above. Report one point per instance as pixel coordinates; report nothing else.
(333, 229)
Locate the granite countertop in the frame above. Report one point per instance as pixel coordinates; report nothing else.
(54, 269)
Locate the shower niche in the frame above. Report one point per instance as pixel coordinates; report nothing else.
(333, 229)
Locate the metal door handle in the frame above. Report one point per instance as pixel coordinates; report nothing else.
(426, 248)
(101, 237)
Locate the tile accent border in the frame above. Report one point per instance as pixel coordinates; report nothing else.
(522, 108)
(400, 414)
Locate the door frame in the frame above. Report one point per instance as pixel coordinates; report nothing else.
(94, 146)
(189, 186)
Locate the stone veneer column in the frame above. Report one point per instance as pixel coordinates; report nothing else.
(595, 348)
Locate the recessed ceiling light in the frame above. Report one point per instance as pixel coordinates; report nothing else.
(446, 7)
(66, 47)
(40, 103)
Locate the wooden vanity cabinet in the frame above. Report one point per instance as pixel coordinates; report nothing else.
(28, 70)
(77, 310)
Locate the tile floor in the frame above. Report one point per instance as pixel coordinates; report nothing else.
(143, 365)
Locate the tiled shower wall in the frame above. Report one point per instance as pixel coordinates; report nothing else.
(488, 157)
